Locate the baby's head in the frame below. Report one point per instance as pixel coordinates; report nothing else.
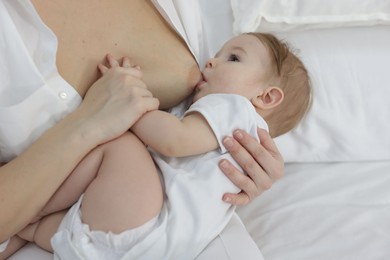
(290, 75)
(263, 69)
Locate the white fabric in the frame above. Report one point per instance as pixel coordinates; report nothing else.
(28, 47)
(283, 15)
(4, 245)
(349, 119)
(194, 213)
(217, 19)
(121, 242)
(223, 248)
(31, 252)
(324, 211)
(221, 110)
(184, 17)
(74, 239)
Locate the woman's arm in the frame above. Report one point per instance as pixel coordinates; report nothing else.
(109, 109)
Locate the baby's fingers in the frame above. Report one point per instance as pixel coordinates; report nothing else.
(111, 61)
(124, 67)
(126, 62)
(134, 70)
(103, 69)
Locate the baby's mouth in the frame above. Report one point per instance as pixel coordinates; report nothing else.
(201, 83)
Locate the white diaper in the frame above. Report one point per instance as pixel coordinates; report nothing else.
(123, 241)
(75, 240)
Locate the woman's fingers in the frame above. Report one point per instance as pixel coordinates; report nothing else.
(240, 180)
(269, 157)
(262, 164)
(253, 184)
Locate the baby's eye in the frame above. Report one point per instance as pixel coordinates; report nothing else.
(233, 57)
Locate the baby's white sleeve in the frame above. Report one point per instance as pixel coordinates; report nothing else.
(226, 113)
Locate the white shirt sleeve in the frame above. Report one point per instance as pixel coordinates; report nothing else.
(226, 113)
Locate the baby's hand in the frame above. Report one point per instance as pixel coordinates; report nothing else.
(134, 70)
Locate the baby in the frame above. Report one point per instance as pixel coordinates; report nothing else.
(254, 81)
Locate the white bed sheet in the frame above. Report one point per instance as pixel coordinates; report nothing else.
(324, 211)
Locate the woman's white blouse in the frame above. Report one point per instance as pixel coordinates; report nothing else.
(33, 96)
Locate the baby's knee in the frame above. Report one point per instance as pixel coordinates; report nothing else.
(124, 142)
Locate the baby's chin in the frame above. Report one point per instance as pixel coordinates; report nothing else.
(198, 95)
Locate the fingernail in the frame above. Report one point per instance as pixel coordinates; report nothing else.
(227, 199)
(238, 135)
(228, 142)
(224, 165)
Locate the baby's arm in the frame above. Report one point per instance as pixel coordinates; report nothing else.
(172, 137)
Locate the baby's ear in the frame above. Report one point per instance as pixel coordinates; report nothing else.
(269, 98)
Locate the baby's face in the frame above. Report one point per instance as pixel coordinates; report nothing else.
(240, 67)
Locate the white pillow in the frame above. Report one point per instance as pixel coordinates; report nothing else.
(350, 116)
(282, 15)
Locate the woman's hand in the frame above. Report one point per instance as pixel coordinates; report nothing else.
(262, 163)
(116, 101)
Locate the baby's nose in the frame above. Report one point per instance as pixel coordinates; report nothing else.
(210, 63)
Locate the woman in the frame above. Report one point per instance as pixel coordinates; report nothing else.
(44, 111)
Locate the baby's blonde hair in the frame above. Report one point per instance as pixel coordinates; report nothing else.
(289, 74)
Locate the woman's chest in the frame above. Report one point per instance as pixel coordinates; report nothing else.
(88, 30)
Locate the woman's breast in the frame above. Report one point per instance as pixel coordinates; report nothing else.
(126, 28)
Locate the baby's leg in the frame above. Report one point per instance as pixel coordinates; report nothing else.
(42, 231)
(127, 191)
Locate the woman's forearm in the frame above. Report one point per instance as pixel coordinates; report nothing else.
(28, 182)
